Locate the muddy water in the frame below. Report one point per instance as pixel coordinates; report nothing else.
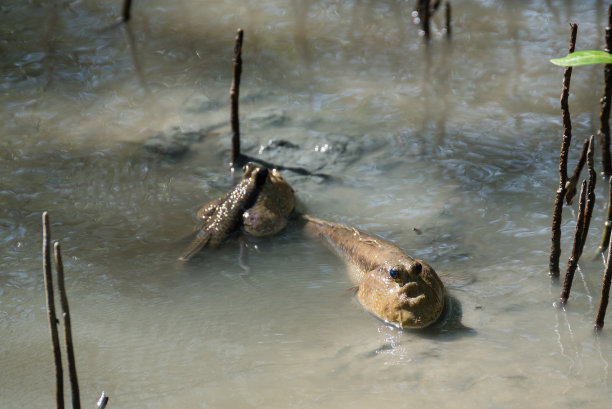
(449, 152)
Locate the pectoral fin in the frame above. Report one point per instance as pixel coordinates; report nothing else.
(457, 279)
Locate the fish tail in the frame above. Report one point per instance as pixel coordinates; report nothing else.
(309, 218)
(196, 245)
(317, 221)
(336, 235)
(320, 226)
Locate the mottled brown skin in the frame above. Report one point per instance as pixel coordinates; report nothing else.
(398, 289)
(223, 216)
(270, 213)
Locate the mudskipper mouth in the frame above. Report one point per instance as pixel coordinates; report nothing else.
(417, 306)
(409, 313)
(410, 289)
(406, 319)
(413, 300)
(411, 295)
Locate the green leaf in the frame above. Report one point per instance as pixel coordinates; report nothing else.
(584, 57)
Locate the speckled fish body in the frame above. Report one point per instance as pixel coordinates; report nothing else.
(398, 289)
(223, 216)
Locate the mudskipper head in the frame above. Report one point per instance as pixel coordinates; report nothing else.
(407, 293)
(257, 174)
(272, 176)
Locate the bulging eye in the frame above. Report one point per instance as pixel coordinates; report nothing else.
(417, 268)
(394, 273)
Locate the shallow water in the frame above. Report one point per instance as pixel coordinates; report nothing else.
(450, 152)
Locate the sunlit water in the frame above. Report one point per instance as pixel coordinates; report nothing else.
(449, 152)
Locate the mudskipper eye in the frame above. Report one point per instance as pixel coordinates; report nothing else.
(417, 268)
(394, 273)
